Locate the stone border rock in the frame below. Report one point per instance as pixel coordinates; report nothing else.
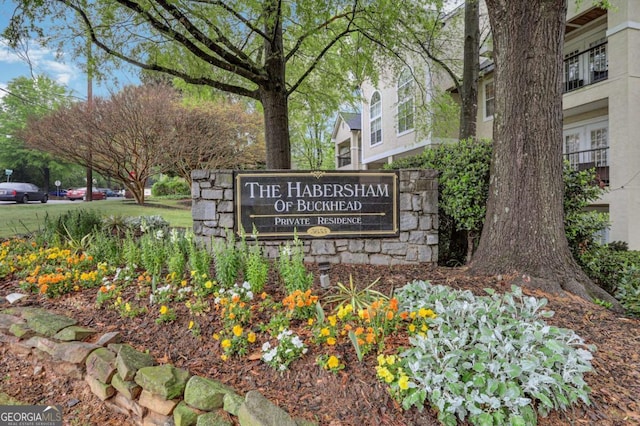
(130, 382)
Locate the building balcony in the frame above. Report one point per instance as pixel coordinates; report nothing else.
(597, 158)
(587, 67)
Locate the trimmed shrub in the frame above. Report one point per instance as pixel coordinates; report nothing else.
(170, 186)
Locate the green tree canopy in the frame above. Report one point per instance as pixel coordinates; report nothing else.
(263, 50)
(27, 98)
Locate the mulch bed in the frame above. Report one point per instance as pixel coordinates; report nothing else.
(354, 396)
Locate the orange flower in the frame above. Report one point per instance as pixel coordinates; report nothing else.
(389, 315)
(371, 338)
(393, 304)
(404, 315)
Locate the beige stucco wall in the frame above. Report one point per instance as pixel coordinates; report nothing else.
(624, 121)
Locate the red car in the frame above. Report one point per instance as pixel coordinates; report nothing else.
(79, 194)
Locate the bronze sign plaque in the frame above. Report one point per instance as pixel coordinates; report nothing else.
(317, 204)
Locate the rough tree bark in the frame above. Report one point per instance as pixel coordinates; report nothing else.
(523, 232)
(471, 69)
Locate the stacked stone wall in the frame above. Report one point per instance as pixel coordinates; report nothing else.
(213, 210)
(129, 381)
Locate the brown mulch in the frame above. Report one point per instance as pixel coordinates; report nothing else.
(353, 396)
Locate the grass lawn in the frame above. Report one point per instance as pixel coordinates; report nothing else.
(24, 218)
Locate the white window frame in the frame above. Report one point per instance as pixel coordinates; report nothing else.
(486, 99)
(375, 119)
(406, 102)
(583, 130)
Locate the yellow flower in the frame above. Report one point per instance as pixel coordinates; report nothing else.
(381, 360)
(412, 328)
(127, 307)
(403, 382)
(333, 362)
(191, 324)
(224, 357)
(163, 310)
(237, 330)
(226, 343)
(208, 284)
(331, 341)
(215, 336)
(391, 359)
(324, 332)
(332, 320)
(310, 321)
(251, 337)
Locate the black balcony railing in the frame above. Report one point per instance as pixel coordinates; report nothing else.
(344, 160)
(587, 67)
(597, 158)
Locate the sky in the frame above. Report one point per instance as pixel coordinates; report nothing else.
(65, 72)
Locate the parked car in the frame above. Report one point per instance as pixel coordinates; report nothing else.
(79, 194)
(21, 192)
(109, 192)
(58, 193)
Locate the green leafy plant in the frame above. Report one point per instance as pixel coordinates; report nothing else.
(256, 268)
(292, 269)
(487, 359)
(358, 298)
(73, 225)
(227, 260)
(152, 254)
(628, 291)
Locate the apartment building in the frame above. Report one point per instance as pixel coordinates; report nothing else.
(601, 107)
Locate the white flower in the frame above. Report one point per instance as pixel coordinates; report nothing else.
(297, 342)
(266, 346)
(268, 356)
(282, 367)
(246, 285)
(285, 251)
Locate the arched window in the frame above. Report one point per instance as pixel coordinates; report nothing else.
(375, 118)
(405, 101)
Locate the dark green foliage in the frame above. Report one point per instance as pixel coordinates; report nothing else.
(617, 272)
(170, 186)
(73, 225)
(463, 185)
(581, 227)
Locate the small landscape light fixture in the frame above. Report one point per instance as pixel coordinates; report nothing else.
(324, 274)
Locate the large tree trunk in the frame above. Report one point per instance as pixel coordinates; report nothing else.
(471, 69)
(523, 232)
(273, 94)
(276, 123)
